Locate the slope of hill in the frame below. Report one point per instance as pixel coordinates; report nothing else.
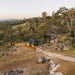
(26, 58)
(19, 25)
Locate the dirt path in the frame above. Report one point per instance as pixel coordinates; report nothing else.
(54, 55)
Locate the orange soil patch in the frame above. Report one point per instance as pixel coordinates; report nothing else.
(26, 46)
(19, 44)
(30, 47)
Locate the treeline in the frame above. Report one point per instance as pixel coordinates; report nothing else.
(40, 28)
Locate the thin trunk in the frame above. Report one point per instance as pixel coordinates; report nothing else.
(71, 21)
(11, 43)
(62, 22)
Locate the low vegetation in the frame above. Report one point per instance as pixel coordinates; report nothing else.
(55, 32)
(26, 58)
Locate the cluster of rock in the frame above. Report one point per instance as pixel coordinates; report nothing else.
(18, 71)
(57, 45)
(63, 46)
(13, 49)
(53, 68)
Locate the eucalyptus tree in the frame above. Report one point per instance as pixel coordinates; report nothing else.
(44, 15)
(71, 15)
(63, 13)
(9, 35)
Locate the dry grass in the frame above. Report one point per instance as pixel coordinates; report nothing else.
(26, 58)
(67, 68)
(20, 25)
(70, 53)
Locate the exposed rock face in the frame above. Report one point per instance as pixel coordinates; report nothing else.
(53, 68)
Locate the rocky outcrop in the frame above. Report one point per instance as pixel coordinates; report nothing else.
(56, 44)
(53, 68)
(12, 50)
(18, 71)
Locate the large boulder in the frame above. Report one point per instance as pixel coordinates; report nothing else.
(13, 72)
(53, 68)
(1, 73)
(6, 74)
(20, 71)
(43, 59)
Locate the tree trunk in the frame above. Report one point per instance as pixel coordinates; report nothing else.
(71, 21)
(11, 43)
(62, 22)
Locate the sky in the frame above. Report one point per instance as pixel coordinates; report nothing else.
(17, 9)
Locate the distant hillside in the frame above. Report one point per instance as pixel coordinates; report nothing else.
(1, 20)
(11, 22)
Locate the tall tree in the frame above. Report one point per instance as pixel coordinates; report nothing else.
(44, 15)
(62, 12)
(71, 15)
(9, 35)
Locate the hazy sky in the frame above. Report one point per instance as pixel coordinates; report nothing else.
(31, 8)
